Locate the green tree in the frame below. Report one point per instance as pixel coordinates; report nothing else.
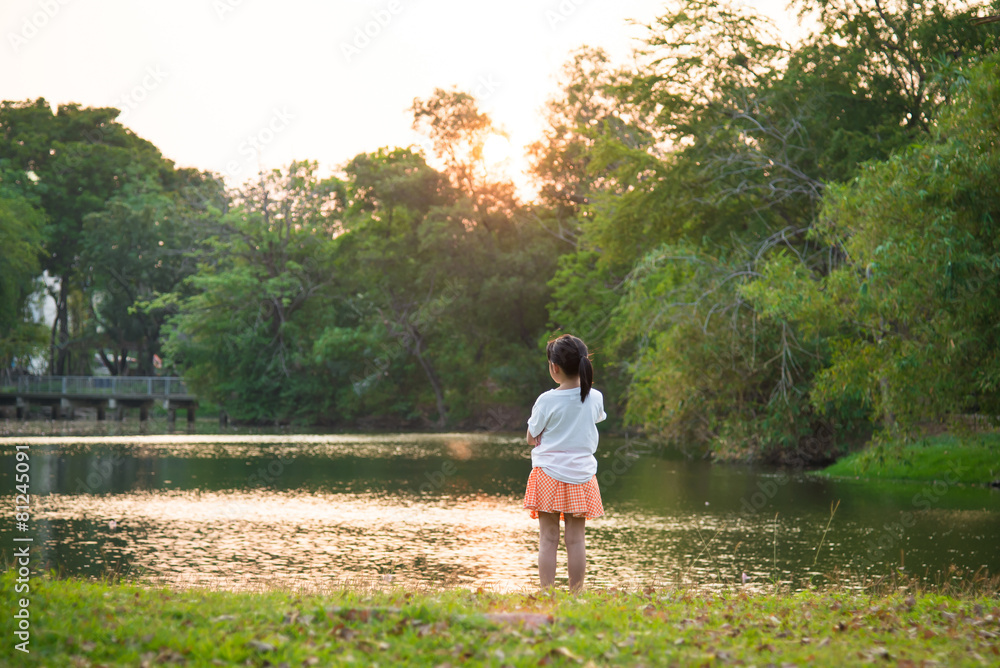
(78, 158)
(402, 286)
(709, 373)
(245, 335)
(140, 245)
(451, 280)
(499, 254)
(585, 109)
(741, 136)
(21, 224)
(904, 54)
(911, 307)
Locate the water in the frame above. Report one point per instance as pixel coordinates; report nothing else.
(243, 512)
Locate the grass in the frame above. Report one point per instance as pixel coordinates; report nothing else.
(972, 460)
(82, 623)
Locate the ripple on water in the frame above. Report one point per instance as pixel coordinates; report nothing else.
(339, 520)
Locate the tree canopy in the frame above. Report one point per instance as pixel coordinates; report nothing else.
(774, 250)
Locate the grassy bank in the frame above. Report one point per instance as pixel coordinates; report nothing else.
(81, 623)
(972, 460)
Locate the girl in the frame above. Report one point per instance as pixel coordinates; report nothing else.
(563, 484)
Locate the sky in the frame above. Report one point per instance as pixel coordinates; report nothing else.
(234, 86)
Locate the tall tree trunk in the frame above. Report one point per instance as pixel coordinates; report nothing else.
(108, 364)
(435, 383)
(52, 341)
(62, 317)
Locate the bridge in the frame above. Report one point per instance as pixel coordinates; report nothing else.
(61, 394)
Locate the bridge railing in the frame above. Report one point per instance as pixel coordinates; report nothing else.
(111, 386)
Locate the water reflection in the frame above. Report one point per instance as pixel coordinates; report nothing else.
(310, 539)
(314, 511)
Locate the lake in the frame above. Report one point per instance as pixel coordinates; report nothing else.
(314, 511)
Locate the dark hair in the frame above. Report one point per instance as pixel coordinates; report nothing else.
(570, 353)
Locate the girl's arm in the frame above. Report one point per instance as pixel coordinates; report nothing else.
(534, 440)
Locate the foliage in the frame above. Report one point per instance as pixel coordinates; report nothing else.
(905, 52)
(21, 224)
(705, 237)
(452, 280)
(79, 161)
(768, 246)
(388, 297)
(709, 372)
(140, 245)
(563, 166)
(243, 335)
(912, 306)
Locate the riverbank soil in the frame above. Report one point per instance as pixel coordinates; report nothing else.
(81, 623)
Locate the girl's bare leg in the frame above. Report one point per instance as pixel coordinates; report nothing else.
(576, 550)
(548, 543)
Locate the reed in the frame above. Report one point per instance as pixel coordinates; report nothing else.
(833, 511)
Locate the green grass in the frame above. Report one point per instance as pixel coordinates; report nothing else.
(82, 623)
(975, 459)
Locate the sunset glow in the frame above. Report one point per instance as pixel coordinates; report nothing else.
(496, 150)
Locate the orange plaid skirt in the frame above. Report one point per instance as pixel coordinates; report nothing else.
(549, 495)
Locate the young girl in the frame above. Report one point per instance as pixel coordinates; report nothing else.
(563, 484)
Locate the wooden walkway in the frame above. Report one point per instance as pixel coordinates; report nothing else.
(117, 393)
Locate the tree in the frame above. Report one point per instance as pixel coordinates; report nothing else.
(741, 136)
(78, 158)
(585, 109)
(911, 308)
(402, 283)
(244, 337)
(21, 224)
(451, 287)
(904, 51)
(140, 245)
(499, 253)
(458, 132)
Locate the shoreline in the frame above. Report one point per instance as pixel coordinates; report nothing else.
(972, 460)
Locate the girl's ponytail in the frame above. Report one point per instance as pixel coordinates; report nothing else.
(570, 353)
(586, 370)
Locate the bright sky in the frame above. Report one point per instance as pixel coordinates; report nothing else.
(235, 85)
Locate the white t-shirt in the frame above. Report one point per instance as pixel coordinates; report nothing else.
(569, 434)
